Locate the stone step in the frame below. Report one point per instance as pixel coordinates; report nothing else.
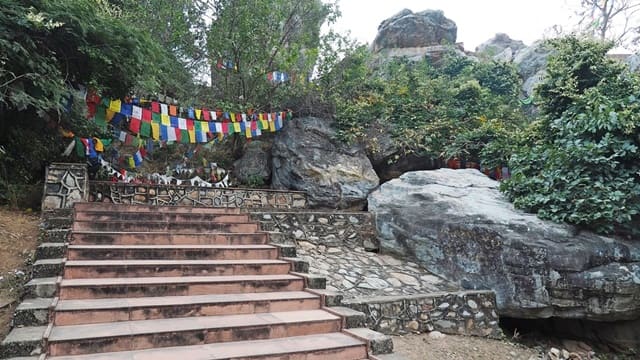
(56, 235)
(163, 226)
(51, 250)
(32, 312)
(87, 206)
(41, 287)
(76, 312)
(377, 343)
(160, 216)
(175, 252)
(48, 267)
(146, 334)
(350, 318)
(22, 341)
(335, 346)
(84, 269)
(164, 238)
(176, 286)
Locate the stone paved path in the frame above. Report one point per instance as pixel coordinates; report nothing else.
(356, 272)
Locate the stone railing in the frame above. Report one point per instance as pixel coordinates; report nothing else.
(332, 229)
(64, 185)
(147, 194)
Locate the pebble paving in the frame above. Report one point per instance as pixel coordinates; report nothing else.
(357, 273)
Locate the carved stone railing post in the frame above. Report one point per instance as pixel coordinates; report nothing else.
(65, 184)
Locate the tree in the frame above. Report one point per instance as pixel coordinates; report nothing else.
(614, 20)
(579, 163)
(251, 38)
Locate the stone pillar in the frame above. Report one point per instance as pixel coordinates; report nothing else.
(64, 185)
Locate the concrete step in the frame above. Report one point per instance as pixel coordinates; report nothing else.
(377, 343)
(22, 341)
(159, 216)
(32, 312)
(85, 269)
(164, 238)
(163, 226)
(335, 346)
(176, 286)
(76, 312)
(175, 252)
(146, 334)
(88, 206)
(41, 288)
(51, 250)
(48, 267)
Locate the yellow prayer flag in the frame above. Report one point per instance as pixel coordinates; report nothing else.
(272, 126)
(220, 136)
(233, 117)
(98, 144)
(248, 132)
(155, 131)
(204, 126)
(115, 105)
(198, 114)
(164, 120)
(192, 136)
(236, 127)
(264, 124)
(109, 115)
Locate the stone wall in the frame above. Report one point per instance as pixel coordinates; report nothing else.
(147, 194)
(462, 313)
(332, 229)
(64, 185)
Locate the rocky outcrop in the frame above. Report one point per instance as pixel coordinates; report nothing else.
(633, 62)
(254, 167)
(501, 47)
(457, 224)
(388, 160)
(308, 157)
(531, 63)
(407, 29)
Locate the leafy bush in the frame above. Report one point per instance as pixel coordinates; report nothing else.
(581, 163)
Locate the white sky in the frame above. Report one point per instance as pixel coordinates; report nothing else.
(477, 20)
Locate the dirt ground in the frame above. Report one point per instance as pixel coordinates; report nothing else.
(18, 241)
(452, 347)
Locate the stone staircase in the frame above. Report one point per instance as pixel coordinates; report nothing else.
(149, 282)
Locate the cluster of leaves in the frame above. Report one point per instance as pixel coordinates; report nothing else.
(48, 48)
(579, 163)
(450, 109)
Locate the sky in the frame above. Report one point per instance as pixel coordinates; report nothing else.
(477, 20)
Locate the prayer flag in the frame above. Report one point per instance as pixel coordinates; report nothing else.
(176, 134)
(134, 125)
(156, 118)
(206, 115)
(145, 129)
(204, 127)
(190, 124)
(136, 112)
(123, 136)
(198, 126)
(127, 110)
(236, 127)
(175, 122)
(198, 114)
(115, 105)
(184, 136)
(137, 158)
(164, 110)
(155, 106)
(182, 124)
(173, 110)
(164, 120)
(155, 131)
(164, 132)
(192, 136)
(146, 115)
(190, 113)
(202, 136)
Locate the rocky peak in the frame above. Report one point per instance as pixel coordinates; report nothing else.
(407, 29)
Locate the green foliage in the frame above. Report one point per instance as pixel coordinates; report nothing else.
(452, 110)
(47, 48)
(580, 164)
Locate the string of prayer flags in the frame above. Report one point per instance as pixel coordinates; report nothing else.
(277, 77)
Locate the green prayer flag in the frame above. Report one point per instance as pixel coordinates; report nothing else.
(101, 117)
(155, 117)
(145, 129)
(198, 126)
(184, 136)
(106, 142)
(79, 148)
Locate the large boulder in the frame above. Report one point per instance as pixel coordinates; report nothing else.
(388, 159)
(531, 63)
(407, 29)
(633, 62)
(308, 157)
(459, 226)
(254, 167)
(501, 47)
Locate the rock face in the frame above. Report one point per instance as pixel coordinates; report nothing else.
(531, 63)
(501, 47)
(457, 224)
(407, 29)
(387, 159)
(255, 164)
(634, 62)
(306, 156)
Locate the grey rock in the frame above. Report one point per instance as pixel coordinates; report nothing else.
(633, 62)
(255, 164)
(407, 29)
(532, 59)
(458, 225)
(529, 84)
(308, 157)
(500, 47)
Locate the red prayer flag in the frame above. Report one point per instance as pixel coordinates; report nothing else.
(254, 125)
(155, 106)
(146, 115)
(178, 133)
(134, 125)
(190, 124)
(225, 128)
(206, 115)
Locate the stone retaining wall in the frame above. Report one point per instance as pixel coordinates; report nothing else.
(148, 194)
(64, 185)
(332, 229)
(461, 313)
